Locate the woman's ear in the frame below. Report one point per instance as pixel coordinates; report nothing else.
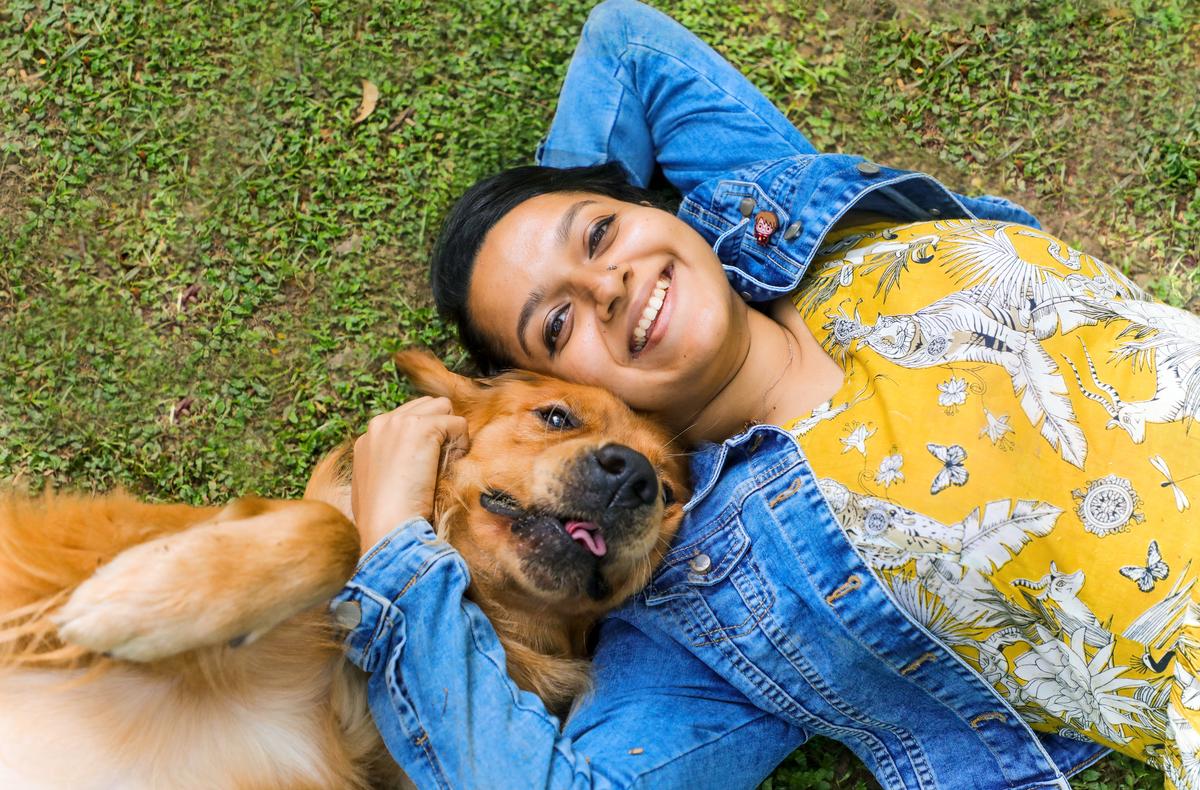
(431, 377)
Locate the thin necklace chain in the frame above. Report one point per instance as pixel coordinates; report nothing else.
(791, 356)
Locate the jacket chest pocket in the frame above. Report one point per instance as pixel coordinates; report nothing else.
(715, 585)
(764, 254)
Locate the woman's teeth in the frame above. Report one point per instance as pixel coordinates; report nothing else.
(655, 303)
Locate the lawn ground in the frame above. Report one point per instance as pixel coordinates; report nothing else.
(204, 264)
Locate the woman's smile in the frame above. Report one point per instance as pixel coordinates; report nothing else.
(653, 318)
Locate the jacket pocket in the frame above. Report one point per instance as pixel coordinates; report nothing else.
(768, 265)
(714, 584)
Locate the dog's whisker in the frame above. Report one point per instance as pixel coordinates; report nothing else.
(682, 431)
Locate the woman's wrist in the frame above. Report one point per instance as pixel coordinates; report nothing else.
(372, 534)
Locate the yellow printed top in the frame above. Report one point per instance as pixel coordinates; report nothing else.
(1014, 451)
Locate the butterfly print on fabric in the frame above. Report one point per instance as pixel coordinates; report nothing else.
(1154, 570)
(952, 473)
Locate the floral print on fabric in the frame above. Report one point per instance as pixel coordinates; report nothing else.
(1013, 452)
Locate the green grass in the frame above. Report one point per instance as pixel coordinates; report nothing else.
(204, 265)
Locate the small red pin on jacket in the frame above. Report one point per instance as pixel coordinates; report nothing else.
(765, 224)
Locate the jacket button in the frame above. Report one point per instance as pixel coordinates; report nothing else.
(745, 296)
(867, 168)
(701, 563)
(347, 614)
(746, 207)
(935, 212)
(792, 231)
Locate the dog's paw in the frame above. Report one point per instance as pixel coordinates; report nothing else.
(132, 608)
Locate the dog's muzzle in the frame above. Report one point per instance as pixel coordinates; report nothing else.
(622, 476)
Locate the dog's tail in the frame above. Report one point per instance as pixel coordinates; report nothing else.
(330, 481)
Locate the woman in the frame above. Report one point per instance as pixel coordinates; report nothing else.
(940, 490)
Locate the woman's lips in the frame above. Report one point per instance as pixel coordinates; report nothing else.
(657, 327)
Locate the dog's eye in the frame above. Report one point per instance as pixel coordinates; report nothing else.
(558, 418)
(501, 503)
(668, 494)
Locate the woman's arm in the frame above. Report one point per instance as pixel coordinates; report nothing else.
(450, 715)
(642, 89)
(439, 688)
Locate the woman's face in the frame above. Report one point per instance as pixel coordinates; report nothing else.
(622, 295)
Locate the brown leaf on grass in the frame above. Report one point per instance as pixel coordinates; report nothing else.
(370, 97)
(403, 118)
(189, 295)
(179, 409)
(347, 246)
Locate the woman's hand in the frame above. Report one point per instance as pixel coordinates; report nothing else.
(396, 465)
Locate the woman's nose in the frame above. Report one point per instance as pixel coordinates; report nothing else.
(608, 285)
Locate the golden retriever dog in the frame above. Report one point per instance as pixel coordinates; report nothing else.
(156, 646)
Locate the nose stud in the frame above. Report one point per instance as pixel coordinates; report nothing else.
(612, 267)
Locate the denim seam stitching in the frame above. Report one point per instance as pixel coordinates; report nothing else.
(397, 689)
(700, 214)
(758, 609)
(771, 691)
(835, 701)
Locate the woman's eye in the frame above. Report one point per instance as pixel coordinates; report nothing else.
(557, 418)
(597, 234)
(554, 328)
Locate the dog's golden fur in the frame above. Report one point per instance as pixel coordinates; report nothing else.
(166, 645)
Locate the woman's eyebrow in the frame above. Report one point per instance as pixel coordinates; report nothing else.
(535, 298)
(568, 219)
(563, 235)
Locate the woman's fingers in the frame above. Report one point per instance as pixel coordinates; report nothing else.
(396, 464)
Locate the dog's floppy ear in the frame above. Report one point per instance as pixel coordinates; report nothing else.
(431, 377)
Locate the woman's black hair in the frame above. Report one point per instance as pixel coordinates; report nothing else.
(478, 211)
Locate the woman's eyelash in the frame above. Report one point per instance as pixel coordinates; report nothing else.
(556, 320)
(554, 326)
(597, 234)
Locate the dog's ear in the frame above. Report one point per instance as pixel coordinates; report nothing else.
(431, 377)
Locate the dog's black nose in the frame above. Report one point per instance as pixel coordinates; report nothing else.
(625, 474)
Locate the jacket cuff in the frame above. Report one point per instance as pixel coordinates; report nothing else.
(368, 605)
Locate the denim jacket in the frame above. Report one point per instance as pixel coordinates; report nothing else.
(716, 670)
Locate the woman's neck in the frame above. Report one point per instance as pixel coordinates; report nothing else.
(784, 374)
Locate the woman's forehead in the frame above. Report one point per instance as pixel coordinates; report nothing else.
(541, 224)
(517, 259)
(524, 252)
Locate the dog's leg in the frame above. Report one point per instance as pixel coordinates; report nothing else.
(232, 578)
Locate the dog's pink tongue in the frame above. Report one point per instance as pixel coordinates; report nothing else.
(589, 535)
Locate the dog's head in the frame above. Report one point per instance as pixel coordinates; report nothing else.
(565, 501)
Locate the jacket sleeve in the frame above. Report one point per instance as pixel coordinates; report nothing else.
(643, 90)
(452, 718)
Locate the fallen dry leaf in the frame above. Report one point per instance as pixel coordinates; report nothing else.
(347, 246)
(370, 98)
(189, 295)
(402, 118)
(179, 409)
